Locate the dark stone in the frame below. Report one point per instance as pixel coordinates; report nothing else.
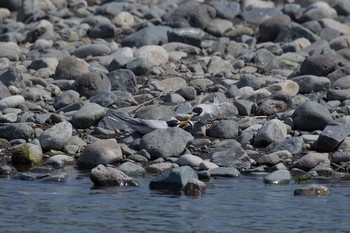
(90, 84)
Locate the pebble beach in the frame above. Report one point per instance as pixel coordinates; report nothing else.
(280, 69)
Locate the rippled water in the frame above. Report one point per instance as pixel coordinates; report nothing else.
(243, 204)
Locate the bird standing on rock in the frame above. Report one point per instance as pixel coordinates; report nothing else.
(145, 126)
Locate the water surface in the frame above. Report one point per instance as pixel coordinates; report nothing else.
(242, 204)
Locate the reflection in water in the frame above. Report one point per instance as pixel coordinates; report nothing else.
(230, 205)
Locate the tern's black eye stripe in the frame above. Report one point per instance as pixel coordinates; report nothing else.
(197, 110)
(172, 123)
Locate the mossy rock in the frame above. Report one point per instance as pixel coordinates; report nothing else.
(27, 154)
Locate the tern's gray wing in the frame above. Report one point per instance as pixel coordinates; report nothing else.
(142, 126)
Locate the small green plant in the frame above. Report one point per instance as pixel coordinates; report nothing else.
(303, 179)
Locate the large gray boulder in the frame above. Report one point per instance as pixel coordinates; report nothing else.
(110, 176)
(90, 84)
(163, 143)
(311, 116)
(101, 152)
(56, 137)
(175, 180)
(229, 153)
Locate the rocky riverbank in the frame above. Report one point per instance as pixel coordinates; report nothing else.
(280, 69)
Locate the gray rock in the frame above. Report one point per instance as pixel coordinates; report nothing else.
(189, 93)
(270, 107)
(333, 27)
(342, 7)
(29, 10)
(170, 84)
(6, 170)
(8, 118)
(189, 160)
(123, 80)
(12, 5)
(43, 29)
(60, 161)
(318, 10)
(158, 168)
(90, 84)
(163, 143)
(332, 136)
(9, 50)
(265, 59)
(272, 131)
(93, 20)
(11, 101)
(223, 129)
(294, 145)
(112, 8)
(189, 35)
(311, 160)
(92, 50)
(257, 15)
(342, 83)
(55, 178)
(311, 83)
(270, 28)
(195, 187)
(190, 15)
(175, 180)
(244, 107)
(106, 30)
(88, 115)
(104, 99)
(35, 94)
(278, 177)
(155, 54)
(16, 131)
(71, 68)
(224, 172)
(340, 95)
(100, 152)
(12, 77)
(312, 190)
(150, 35)
(295, 31)
(229, 153)
(340, 42)
(66, 98)
(123, 19)
(320, 64)
(173, 98)
(140, 66)
(340, 156)
(269, 159)
(218, 65)
(120, 58)
(56, 137)
(4, 91)
(27, 154)
(132, 169)
(124, 99)
(45, 62)
(311, 116)
(226, 10)
(250, 80)
(110, 176)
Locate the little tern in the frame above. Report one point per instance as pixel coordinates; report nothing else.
(144, 126)
(206, 111)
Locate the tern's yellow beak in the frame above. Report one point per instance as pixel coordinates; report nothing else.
(185, 122)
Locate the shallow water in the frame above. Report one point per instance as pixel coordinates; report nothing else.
(242, 204)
